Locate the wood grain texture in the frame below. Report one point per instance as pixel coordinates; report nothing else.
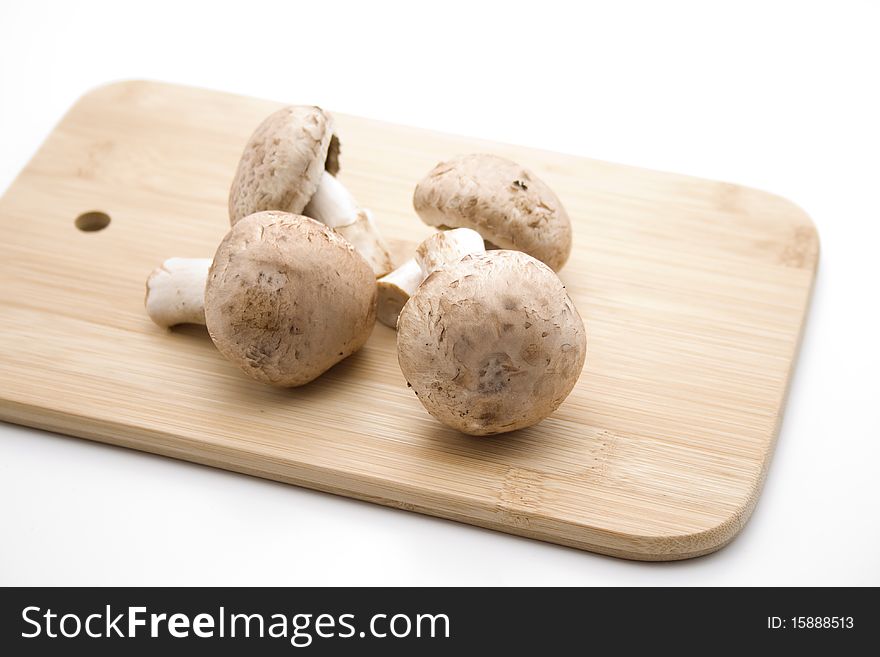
(693, 292)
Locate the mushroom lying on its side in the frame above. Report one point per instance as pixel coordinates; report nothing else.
(290, 164)
(504, 202)
(441, 249)
(491, 345)
(285, 298)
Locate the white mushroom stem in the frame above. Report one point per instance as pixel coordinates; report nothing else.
(395, 289)
(440, 250)
(333, 205)
(446, 248)
(176, 291)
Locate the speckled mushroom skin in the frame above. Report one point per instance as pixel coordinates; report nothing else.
(491, 345)
(504, 202)
(287, 298)
(281, 165)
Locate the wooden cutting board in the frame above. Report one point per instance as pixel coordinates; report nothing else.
(693, 292)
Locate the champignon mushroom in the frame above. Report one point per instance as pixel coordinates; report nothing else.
(290, 164)
(504, 202)
(441, 249)
(491, 345)
(285, 298)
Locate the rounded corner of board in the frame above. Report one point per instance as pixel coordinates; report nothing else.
(805, 235)
(685, 545)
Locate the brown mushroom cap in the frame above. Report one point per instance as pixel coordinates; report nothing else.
(504, 202)
(282, 162)
(287, 298)
(491, 345)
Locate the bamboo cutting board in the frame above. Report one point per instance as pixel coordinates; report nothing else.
(693, 293)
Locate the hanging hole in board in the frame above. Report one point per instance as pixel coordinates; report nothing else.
(89, 222)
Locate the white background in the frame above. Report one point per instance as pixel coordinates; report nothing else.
(778, 95)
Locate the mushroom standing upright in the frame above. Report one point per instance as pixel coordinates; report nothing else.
(507, 204)
(491, 345)
(290, 164)
(285, 297)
